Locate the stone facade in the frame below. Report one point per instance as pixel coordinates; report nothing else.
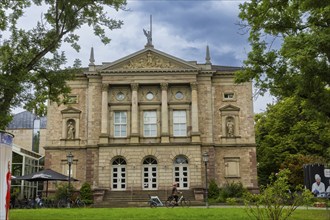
(144, 121)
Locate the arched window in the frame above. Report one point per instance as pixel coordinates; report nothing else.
(181, 160)
(150, 160)
(119, 161)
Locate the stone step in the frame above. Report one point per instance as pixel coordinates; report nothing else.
(135, 204)
(139, 198)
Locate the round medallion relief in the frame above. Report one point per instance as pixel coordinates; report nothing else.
(150, 96)
(179, 95)
(120, 96)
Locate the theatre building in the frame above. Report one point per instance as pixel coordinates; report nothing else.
(144, 121)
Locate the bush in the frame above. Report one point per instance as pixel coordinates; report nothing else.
(276, 201)
(231, 201)
(62, 191)
(213, 191)
(231, 190)
(86, 193)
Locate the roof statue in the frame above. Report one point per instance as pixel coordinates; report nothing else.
(208, 57)
(91, 58)
(148, 34)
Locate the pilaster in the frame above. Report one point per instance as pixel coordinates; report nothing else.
(104, 137)
(195, 135)
(165, 134)
(135, 114)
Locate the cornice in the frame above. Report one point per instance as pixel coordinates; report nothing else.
(134, 71)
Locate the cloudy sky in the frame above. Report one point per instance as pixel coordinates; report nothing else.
(181, 28)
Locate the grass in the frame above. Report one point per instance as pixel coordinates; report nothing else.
(152, 214)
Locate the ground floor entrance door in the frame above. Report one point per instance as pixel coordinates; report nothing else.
(181, 172)
(150, 174)
(119, 174)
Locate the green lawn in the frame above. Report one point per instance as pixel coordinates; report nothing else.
(151, 214)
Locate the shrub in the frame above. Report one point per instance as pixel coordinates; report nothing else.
(231, 190)
(213, 191)
(231, 201)
(62, 191)
(276, 201)
(86, 193)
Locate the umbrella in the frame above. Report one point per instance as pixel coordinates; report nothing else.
(45, 175)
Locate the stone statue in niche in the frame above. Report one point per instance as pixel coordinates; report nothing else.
(230, 127)
(70, 130)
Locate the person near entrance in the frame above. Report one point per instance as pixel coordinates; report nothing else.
(175, 193)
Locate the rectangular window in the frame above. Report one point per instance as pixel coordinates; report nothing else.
(120, 124)
(179, 123)
(150, 124)
(72, 99)
(228, 95)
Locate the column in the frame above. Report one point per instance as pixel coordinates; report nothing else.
(135, 114)
(164, 120)
(104, 115)
(195, 135)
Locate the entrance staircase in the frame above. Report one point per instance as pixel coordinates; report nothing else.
(139, 198)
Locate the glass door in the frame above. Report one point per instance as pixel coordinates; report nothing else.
(119, 174)
(181, 173)
(149, 174)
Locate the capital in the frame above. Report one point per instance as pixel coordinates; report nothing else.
(135, 86)
(193, 85)
(164, 86)
(105, 87)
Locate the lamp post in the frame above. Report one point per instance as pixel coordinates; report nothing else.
(206, 159)
(69, 158)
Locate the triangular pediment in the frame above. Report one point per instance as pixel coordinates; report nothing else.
(229, 108)
(70, 110)
(148, 59)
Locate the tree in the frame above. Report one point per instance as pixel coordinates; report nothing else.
(288, 128)
(290, 55)
(295, 162)
(24, 64)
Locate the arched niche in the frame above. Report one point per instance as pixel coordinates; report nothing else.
(229, 121)
(70, 123)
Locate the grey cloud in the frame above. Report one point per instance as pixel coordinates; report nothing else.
(199, 21)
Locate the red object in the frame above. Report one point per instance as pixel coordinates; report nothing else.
(8, 180)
